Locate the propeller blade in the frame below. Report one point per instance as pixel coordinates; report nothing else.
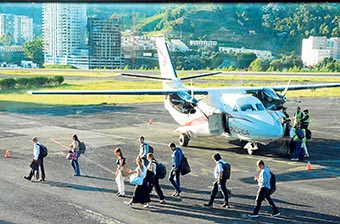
(286, 89)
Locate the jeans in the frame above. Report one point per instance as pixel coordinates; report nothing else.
(174, 180)
(75, 166)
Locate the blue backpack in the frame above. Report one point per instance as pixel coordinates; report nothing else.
(160, 170)
(299, 133)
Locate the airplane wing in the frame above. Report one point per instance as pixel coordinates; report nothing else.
(119, 92)
(293, 87)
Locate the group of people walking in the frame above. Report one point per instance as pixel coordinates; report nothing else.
(296, 135)
(37, 164)
(147, 172)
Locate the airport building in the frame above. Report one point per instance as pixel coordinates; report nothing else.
(104, 43)
(64, 35)
(315, 49)
(19, 29)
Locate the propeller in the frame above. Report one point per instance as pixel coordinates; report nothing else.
(286, 89)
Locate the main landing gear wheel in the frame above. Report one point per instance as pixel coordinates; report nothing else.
(183, 139)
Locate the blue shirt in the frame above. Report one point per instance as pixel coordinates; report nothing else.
(177, 156)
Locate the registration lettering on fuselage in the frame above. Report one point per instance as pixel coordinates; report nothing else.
(239, 131)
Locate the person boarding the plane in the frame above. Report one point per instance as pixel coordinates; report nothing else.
(285, 140)
(297, 135)
(263, 181)
(175, 173)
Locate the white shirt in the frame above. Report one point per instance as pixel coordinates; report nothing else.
(36, 151)
(218, 168)
(264, 178)
(154, 167)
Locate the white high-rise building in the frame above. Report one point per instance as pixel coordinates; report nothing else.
(17, 28)
(315, 49)
(64, 27)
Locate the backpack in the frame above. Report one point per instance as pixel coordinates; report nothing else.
(308, 134)
(299, 133)
(150, 149)
(82, 147)
(226, 170)
(272, 181)
(160, 170)
(43, 151)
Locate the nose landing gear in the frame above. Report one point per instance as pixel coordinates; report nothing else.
(183, 139)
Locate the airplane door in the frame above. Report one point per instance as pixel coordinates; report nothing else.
(216, 124)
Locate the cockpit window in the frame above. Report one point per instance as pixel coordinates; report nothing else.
(247, 107)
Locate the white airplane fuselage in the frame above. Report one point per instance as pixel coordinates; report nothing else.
(231, 114)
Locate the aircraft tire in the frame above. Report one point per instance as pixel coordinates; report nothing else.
(183, 139)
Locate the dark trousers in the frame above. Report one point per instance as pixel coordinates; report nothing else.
(155, 184)
(298, 153)
(174, 180)
(75, 166)
(38, 164)
(264, 193)
(214, 191)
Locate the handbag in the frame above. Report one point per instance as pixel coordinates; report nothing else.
(184, 167)
(71, 156)
(125, 170)
(136, 180)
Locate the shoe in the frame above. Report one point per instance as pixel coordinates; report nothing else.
(295, 159)
(27, 178)
(276, 214)
(225, 205)
(127, 203)
(176, 194)
(42, 180)
(208, 205)
(117, 193)
(162, 202)
(253, 215)
(147, 205)
(121, 195)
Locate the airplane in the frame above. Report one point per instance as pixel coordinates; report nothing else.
(248, 114)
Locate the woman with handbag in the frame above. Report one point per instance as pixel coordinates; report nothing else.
(119, 172)
(73, 155)
(141, 192)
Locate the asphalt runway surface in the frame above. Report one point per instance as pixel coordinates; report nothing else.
(303, 196)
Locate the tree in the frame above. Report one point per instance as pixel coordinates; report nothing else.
(34, 51)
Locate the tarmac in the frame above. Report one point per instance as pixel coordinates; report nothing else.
(302, 196)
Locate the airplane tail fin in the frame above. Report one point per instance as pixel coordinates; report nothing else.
(165, 63)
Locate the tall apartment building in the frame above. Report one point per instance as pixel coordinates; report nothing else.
(104, 42)
(315, 49)
(64, 27)
(18, 28)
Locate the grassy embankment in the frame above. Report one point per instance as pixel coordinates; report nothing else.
(91, 80)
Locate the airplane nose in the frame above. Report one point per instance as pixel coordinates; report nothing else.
(267, 128)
